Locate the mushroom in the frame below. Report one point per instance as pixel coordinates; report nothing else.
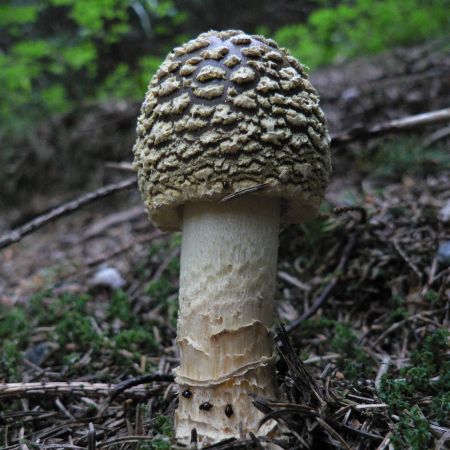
(231, 144)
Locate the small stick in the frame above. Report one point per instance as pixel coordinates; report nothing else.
(403, 124)
(65, 208)
(407, 259)
(384, 367)
(92, 444)
(249, 190)
(64, 388)
(127, 384)
(294, 281)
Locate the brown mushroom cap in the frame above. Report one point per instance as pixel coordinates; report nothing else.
(225, 112)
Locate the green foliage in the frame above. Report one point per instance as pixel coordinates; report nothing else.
(412, 431)
(48, 69)
(10, 357)
(76, 328)
(406, 157)
(428, 375)
(440, 406)
(119, 308)
(13, 325)
(162, 425)
(71, 321)
(354, 362)
(135, 340)
(353, 28)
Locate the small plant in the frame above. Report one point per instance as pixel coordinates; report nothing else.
(354, 362)
(10, 357)
(360, 27)
(429, 375)
(412, 431)
(399, 157)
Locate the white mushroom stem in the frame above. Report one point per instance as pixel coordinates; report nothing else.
(227, 283)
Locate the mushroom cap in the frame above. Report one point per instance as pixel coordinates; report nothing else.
(227, 112)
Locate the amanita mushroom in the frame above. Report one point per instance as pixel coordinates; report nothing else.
(229, 116)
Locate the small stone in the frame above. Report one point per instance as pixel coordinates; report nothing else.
(108, 277)
(443, 253)
(444, 213)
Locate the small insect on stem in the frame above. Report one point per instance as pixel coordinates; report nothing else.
(205, 406)
(229, 410)
(187, 393)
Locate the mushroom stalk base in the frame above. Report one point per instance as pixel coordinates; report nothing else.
(227, 282)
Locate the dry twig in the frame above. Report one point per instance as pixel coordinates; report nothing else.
(62, 210)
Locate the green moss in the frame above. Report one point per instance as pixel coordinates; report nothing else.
(440, 407)
(412, 431)
(73, 321)
(120, 307)
(428, 376)
(162, 425)
(354, 362)
(10, 357)
(135, 340)
(13, 325)
(400, 157)
(432, 296)
(75, 325)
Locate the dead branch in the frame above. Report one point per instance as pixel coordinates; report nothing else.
(132, 382)
(392, 126)
(67, 388)
(64, 209)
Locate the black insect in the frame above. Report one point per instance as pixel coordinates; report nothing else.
(187, 393)
(229, 410)
(205, 406)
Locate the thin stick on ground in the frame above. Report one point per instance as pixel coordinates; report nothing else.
(77, 388)
(128, 384)
(392, 126)
(62, 210)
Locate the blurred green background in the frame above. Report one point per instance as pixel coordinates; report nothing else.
(59, 55)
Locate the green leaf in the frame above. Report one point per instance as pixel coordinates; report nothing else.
(17, 15)
(80, 56)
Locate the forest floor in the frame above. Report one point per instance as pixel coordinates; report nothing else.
(90, 301)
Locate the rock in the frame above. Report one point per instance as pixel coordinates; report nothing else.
(108, 277)
(443, 253)
(444, 213)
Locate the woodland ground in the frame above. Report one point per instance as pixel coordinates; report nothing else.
(368, 278)
(377, 347)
